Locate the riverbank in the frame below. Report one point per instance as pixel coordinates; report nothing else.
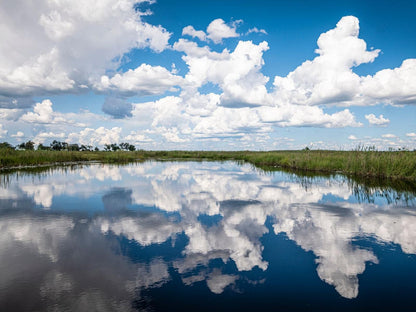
(396, 165)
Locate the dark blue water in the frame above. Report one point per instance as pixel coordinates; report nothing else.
(192, 236)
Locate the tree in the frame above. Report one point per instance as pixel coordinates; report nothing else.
(127, 147)
(124, 146)
(29, 145)
(6, 145)
(42, 147)
(73, 147)
(56, 145)
(60, 146)
(115, 147)
(107, 147)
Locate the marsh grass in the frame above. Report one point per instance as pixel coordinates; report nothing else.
(400, 164)
(364, 163)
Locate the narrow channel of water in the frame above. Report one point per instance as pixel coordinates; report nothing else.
(164, 236)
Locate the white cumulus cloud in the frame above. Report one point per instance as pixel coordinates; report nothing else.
(63, 45)
(393, 86)
(18, 134)
(136, 138)
(236, 73)
(328, 79)
(377, 121)
(218, 30)
(256, 30)
(94, 137)
(43, 136)
(43, 113)
(144, 80)
(191, 31)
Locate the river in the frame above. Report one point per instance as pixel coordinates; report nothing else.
(203, 236)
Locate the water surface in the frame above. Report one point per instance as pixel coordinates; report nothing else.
(186, 236)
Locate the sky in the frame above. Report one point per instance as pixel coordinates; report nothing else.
(209, 75)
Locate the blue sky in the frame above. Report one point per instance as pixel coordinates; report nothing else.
(226, 75)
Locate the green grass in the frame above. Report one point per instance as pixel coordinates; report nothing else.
(400, 164)
(364, 163)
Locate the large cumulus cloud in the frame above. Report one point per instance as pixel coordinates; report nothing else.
(64, 46)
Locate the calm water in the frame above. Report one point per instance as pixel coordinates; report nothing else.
(191, 236)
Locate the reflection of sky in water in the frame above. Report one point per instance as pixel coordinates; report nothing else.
(128, 237)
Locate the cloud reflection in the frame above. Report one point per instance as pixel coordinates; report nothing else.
(152, 203)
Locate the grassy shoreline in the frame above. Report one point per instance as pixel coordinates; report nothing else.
(396, 165)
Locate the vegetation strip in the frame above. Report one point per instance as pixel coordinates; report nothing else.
(366, 163)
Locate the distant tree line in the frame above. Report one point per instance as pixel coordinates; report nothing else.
(122, 146)
(64, 146)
